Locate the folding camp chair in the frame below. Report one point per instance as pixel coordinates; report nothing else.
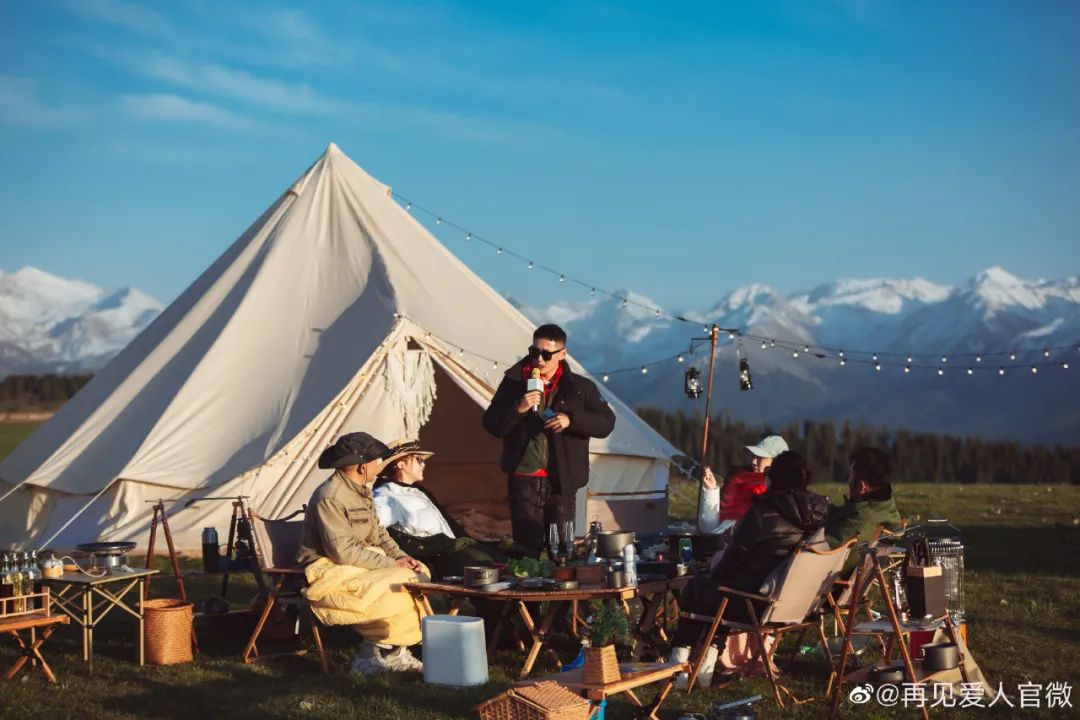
(276, 546)
(793, 603)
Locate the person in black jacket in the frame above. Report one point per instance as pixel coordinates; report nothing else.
(545, 436)
(778, 522)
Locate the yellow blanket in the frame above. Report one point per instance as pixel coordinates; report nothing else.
(372, 601)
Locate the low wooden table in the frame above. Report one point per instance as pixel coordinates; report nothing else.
(75, 595)
(517, 599)
(654, 596)
(633, 675)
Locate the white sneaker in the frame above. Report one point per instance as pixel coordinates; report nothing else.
(401, 660)
(373, 665)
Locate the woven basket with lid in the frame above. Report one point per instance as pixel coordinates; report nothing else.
(542, 701)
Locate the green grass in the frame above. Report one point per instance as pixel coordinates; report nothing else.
(11, 434)
(1023, 600)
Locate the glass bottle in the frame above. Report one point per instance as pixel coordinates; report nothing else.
(34, 572)
(7, 585)
(16, 576)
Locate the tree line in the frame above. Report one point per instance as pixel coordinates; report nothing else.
(26, 393)
(917, 457)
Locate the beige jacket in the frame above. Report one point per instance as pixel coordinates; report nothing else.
(341, 524)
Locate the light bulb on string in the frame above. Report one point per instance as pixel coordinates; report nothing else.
(408, 206)
(1046, 352)
(909, 359)
(625, 302)
(530, 265)
(730, 335)
(877, 366)
(605, 378)
(944, 359)
(1012, 356)
(438, 221)
(1034, 369)
(806, 348)
(978, 358)
(1001, 371)
(843, 362)
(498, 251)
(907, 369)
(1064, 366)
(794, 353)
(468, 236)
(657, 313)
(841, 354)
(772, 343)
(940, 371)
(495, 366)
(592, 292)
(875, 357)
(763, 345)
(644, 370)
(680, 358)
(562, 278)
(970, 371)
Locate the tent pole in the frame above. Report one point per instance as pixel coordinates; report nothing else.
(713, 335)
(80, 512)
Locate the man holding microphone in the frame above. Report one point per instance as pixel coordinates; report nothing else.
(545, 415)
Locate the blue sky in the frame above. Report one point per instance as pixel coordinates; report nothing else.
(677, 149)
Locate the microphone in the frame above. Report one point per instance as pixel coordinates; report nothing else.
(535, 383)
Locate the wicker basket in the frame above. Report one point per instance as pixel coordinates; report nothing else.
(601, 666)
(542, 701)
(168, 631)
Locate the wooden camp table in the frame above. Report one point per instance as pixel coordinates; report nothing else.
(632, 675)
(654, 596)
(559, 602)
(75, 594)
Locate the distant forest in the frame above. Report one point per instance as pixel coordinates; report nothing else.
(32, 393)
(917, 457)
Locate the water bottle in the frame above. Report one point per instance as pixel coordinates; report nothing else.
(629, 565)
(686, 551)
(211, 554)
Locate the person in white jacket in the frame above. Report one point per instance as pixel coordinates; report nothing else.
(414, 519)
(718, 514)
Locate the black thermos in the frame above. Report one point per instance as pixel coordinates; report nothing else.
(211, 554)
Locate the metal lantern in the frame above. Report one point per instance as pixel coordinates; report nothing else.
(745, 381)
(692, 383)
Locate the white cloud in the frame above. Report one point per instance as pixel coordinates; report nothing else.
(241, 85)
(165, 107)
(21, 104)
(127, 15)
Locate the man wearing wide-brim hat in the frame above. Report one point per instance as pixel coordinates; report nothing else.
(347, 552)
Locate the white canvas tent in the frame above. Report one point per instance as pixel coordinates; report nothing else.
(336, 311)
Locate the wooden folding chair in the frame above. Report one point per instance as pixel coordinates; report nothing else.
(34, 620)
(276, 546)
(793, 603)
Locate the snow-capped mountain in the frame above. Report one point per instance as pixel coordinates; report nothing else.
(54, 324)
(992, 312)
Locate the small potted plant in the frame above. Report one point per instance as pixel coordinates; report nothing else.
(609, 625)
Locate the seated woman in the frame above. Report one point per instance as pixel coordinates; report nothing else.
(417, 523)
(718, 514)
(779, 521)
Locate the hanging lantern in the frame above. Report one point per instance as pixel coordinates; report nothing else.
(745, 381)
(692, 383)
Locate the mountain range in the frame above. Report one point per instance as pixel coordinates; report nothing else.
(54, 324)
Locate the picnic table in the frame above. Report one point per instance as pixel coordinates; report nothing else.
(559, 603)
(87, 600)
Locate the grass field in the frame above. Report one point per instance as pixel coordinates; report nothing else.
(1023, 597)
(11, 434)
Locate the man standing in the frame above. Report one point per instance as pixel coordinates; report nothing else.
(545, 435)
(341, 537)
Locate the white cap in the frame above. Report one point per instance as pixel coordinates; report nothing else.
(769, 447)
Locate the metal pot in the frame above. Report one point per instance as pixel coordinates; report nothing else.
(610, 543)
(888, 675)
(107, 555)
(940, 656)
(478, 576)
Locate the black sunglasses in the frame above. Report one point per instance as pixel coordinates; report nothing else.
(535, 352)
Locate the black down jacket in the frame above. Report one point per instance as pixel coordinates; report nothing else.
(578, 397)
(775, 525)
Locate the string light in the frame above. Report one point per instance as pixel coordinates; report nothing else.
(794, 353)
(772, 343)
(730, 336)
(644, 370)
(806, 348)
(530, 265)
(1012, 357)
(468, 236)
(562, 279)
(875, 357)
(877, 366)
(498, 251)
(680, 358)
(1064, 366)
(592, 292)
(605, 378)
(408, 206)
(1001, 371)
(1046, 353)
(1034, 369)
(841, 353)
(909, 359)
(763, 345)
(657, 313)
(907, 369)
(970, 371)
(944, 359)
(978, 358)
(940, 371)
(438, 221)
(843, 362)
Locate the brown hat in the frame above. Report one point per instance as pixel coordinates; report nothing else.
(403, 448)
(353, 449)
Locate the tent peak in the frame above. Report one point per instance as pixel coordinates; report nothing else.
(333, 149)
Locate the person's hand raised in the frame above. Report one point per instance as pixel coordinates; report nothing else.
(708, 480)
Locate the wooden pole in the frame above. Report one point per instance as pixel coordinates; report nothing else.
(713, 335)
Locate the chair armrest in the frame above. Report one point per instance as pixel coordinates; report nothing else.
(739, 593)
